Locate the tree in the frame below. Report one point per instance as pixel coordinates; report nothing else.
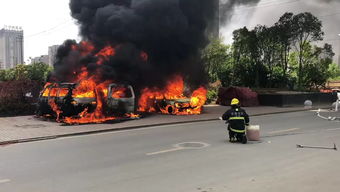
(217, 57)
(269, 53)
(317, 62)
(38, 71)
(248, 51)
(306, 28)
(242, 65)
(285, 37)
(2, 75)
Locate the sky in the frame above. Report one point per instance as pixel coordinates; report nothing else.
(48, 22)
(45, 23)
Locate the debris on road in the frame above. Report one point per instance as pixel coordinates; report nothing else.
(317, 147)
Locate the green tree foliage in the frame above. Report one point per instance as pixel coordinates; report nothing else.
(2, 75)
(39, 71)
(316, 62)
(35, 71)
(283, 33)
(281, 56)
(217, 57)
(306, 28)
(246, 60)
(334, 71)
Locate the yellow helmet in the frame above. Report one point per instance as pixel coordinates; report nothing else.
(234, 101)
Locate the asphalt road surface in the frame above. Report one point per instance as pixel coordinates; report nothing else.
(193, 157)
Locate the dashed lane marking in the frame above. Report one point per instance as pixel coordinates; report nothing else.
(4, 181)
(283, 131)
(334, 129)
(165, 151)
(182, 146)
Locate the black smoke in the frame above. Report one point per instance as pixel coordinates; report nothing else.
(171, 32)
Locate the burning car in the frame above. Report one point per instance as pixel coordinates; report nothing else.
(72, 99)
(173, 106)
(171, 100)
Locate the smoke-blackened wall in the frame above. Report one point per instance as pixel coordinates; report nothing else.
(171, 32)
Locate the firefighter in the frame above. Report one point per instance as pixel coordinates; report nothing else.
(237, 119)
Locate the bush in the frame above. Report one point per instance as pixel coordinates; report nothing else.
(18, 97)
(211, 96)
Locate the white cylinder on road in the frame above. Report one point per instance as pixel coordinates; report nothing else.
(253, 132)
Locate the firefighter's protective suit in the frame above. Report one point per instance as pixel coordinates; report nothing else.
(237, 119)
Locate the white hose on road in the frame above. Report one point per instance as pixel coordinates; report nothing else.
(326, 118)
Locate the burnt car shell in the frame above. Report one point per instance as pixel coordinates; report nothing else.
(122, 103)
(61, 95)
(171, 106)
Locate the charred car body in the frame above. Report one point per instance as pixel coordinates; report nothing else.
(64, 97)
(173, 106)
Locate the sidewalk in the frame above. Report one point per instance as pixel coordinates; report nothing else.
(28, 128)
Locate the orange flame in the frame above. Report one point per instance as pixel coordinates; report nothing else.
(46, 90)
(55, 108)
(118, 92)
(98, 115)
(85, 89)
(173, 91)
(104, 54)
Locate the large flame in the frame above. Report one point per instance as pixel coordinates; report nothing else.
(172, 98)
(88, 87)
(98, 115)
(174, 91)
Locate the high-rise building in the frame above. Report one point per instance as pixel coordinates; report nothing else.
(41, 59)
(11, 47)
(52, 52)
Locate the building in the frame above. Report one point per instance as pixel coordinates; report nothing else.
(11, 47)
(52, 52)
(41, 59)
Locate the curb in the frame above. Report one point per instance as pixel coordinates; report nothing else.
(16, 141)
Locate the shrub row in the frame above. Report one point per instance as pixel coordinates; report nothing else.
(19, 97)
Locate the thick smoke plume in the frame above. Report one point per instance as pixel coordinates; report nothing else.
(170, 34)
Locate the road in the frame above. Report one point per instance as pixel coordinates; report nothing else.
(148, 160)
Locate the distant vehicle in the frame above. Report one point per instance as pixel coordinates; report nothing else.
(117, 99)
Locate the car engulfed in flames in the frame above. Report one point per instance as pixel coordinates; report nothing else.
(87, 102)
(89, 98)
(171, 99)
(71, 102)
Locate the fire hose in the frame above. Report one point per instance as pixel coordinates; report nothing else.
(326, 118)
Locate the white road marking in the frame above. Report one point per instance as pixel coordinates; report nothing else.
(4, 181)
(283, 131)
(321, 110)
(166, 151)
(182, 146)
(334, 129)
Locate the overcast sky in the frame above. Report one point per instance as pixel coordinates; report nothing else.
(48, 22)
(45, 23)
